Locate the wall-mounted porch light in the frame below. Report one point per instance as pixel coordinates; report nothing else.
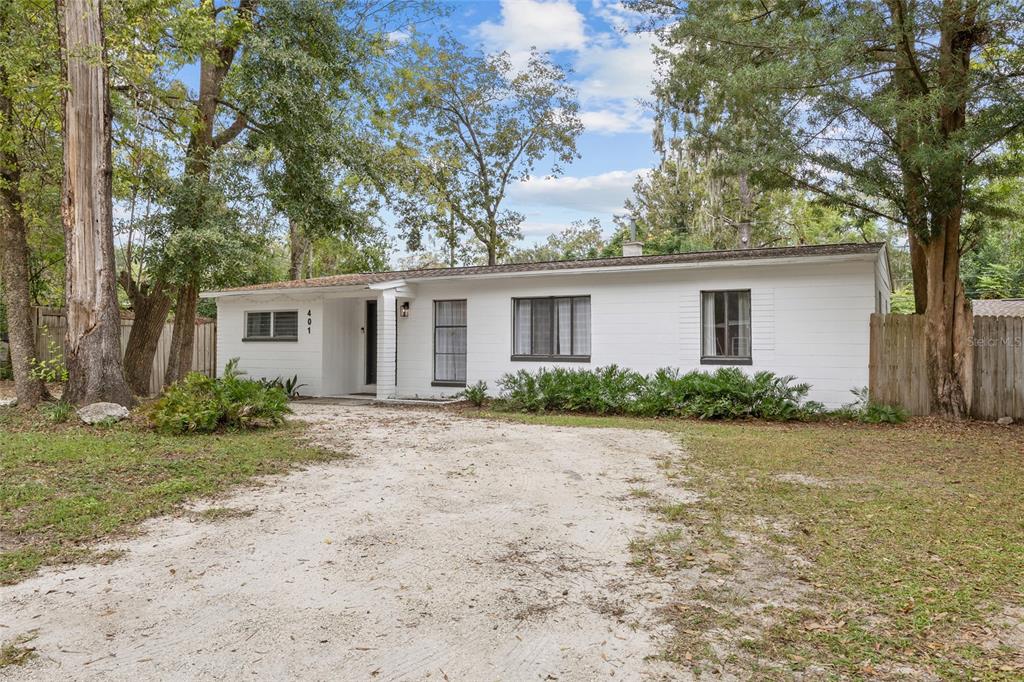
(404, 309)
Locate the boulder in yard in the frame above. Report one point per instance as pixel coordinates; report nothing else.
(1004, 421)
(102, 412)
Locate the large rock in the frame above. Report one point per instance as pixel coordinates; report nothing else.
(102, 412)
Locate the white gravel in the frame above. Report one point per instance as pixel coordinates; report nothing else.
(448, 548)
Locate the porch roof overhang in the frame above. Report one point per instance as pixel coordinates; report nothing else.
(401, 288)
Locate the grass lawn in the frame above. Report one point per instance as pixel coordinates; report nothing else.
(840, 550)
(63, 487)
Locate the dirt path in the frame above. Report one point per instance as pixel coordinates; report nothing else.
(448, 548)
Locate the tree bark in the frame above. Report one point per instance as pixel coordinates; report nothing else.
(949, 324)
(179, 363)
(151, 304)
(298, 247)
(746, 209)
(14, 267)
(93, 342)
(14, 270)
(949, 321)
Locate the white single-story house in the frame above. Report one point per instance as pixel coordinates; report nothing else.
(801, 311)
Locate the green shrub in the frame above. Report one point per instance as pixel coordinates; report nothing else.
(877, 413)
(290, 386)
(52, 370)
(865, 410)
(58, 412)
(476, 394)
(201, 404)
(727, 393)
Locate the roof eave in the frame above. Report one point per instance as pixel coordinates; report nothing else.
(644, 267)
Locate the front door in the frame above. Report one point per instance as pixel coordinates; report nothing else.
(371, 342)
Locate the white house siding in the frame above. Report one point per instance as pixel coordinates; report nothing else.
(883, 287)
(269, 359)
(808, 320)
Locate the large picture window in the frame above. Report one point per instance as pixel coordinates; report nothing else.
(449, 343)
(276, 325)
(726, 327)
(552, 328)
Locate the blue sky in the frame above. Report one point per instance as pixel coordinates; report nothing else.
(612, 69)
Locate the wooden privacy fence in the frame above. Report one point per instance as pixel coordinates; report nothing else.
(51, 324)
(898, 370)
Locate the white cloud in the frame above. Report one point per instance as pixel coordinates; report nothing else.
(599, 195)
(543, 24)
(622, 71)
(614, 69)
(617, 117)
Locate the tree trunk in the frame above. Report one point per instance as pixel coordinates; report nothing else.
(298, 246)
(918, 273)
(180, 361)
(151, 304)
(746, 209)
(93, 341)
(14, 267)
(14, 254)
(949, 322)
(213, 69)
(949, 325)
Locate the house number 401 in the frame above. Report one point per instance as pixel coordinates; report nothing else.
(309, 321)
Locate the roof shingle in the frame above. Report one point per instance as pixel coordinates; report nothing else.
(366, 278)
(1006, 307)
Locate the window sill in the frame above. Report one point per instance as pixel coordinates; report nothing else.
(726, 361)
(550, 358)
(278, 339)
(449, 384)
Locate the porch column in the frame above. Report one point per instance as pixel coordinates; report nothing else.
(387, 343)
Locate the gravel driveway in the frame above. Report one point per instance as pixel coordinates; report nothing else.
(447, 548)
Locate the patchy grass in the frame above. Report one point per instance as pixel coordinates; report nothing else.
(64, 487)
(15, 652)
(907, 542)
(214, 514)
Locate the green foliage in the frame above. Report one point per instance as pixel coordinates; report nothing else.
(848, 100)
(727, 393)
(582, 239)
(902, 301)
(1000, 280)
(290, 386)
(483, 125)
(476, 394)
(877, 413)
(52, 370)
(202, 404)
(58, 412)
(865, 410)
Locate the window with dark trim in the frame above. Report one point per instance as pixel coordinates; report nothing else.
(551, 328)
(725, 322)
(272, 325)
(449, 343)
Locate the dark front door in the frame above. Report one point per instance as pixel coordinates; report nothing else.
(371, 342)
